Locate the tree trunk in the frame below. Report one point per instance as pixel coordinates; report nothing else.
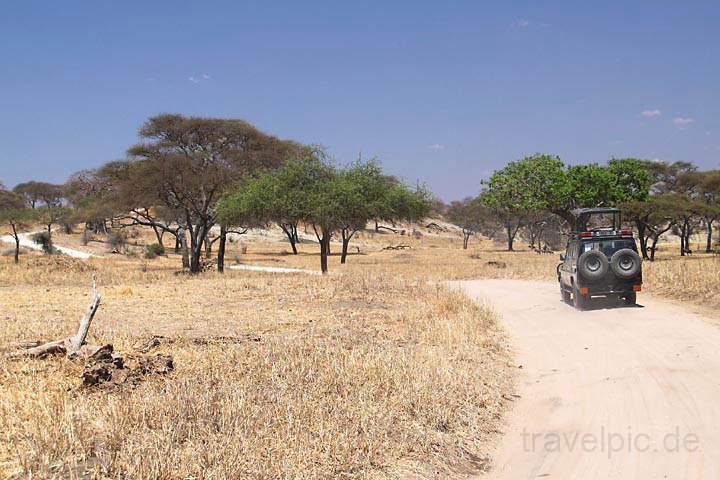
(641, 237)
(197, 237)
(683, 246)
(17, 244)
(208, 246)
(178, 243)
(291, 234)
(510, 237)
(654, 247)
(377, 227)
(158, 234)
(324, 252)
(466, 239)
(346, 236)
(221, 249)
(182, 236)
(708, 245)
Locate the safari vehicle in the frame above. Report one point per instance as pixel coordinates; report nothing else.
(601, 259)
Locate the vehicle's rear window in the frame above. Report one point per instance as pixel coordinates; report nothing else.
(608, 247)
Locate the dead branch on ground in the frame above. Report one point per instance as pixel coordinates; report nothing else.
(68, 346)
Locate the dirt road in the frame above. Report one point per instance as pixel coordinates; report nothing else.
(612, 393)
(27, 242)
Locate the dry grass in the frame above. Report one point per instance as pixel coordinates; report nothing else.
(364, 374)
(371, 372)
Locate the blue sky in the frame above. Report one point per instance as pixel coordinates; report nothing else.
(440, 92)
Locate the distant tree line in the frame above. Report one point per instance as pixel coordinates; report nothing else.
(189, 175)
(535, 196)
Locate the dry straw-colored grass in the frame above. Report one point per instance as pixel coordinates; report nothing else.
(362, 374)
(375, 371)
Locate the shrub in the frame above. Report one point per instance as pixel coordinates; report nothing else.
(117, 240)
(85, 237)
(44, 240)
(157, 248)
(152, 251)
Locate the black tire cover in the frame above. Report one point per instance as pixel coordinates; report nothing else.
(626, 263)
(595, 259)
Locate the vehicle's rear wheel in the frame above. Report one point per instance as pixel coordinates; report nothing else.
(630, 298)
(579, 301)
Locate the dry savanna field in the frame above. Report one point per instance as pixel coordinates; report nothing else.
(376, 370)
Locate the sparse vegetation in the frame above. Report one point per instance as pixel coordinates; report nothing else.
(349, 364)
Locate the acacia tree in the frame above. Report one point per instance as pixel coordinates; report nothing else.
(309, 189)
(301, 190)
(47, 198)
(543, 182)
(15, 213)
(470, 214)
(40, 193)
(361, 193)
(709, 193)
(193, 161)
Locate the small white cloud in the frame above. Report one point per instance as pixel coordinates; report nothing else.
(436, 146)
(650, 113)
(616, 142)
(193, 79)
(205, 76)
(683, 122)
(523, 23)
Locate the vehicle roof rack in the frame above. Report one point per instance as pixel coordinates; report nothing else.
(588, 211)
(582, 215)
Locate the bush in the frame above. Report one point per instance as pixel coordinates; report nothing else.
(85, 237)
(44, 240)
(116, 240)
(152, 251)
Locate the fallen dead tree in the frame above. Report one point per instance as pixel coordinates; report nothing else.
(102, 365)
(73, 346)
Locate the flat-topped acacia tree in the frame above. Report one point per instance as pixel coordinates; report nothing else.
(471, 215)
(191, 162)
(16, 214)
(309, 189)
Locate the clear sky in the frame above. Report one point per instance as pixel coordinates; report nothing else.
(442, 92)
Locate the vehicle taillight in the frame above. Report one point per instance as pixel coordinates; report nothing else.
(626, 233)
(586, 234)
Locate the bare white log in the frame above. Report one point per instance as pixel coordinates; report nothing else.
(79, 339)
(68, 345)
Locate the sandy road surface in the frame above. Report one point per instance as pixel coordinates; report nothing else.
(612, 393)
(26, 241)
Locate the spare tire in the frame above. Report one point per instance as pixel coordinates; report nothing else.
(625, 263)
(592, 265)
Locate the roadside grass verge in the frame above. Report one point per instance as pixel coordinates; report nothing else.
(367, 374)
